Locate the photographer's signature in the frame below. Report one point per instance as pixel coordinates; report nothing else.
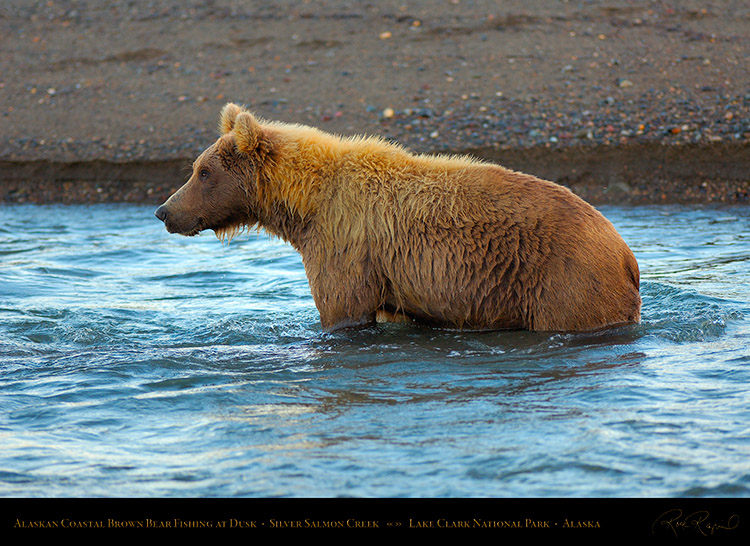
(698, 521)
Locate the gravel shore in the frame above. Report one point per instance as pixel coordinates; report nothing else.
(639, 102)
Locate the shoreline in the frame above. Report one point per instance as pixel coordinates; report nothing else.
(633, 174)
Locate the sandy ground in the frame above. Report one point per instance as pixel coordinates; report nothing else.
(638, 101)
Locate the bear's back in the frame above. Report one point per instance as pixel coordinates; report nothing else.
(476, 245)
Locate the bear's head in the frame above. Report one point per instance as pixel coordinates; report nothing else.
(221, 193)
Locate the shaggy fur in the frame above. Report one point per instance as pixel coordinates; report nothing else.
(444, 240)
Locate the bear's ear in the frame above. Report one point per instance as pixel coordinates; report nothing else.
(228, 115)
(247, 132)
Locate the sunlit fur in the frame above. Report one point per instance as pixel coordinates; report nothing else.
(440, 239)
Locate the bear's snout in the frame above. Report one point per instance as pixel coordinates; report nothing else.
(176, 221)
(161, 213)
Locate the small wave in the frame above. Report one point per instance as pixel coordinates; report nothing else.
(679, 315)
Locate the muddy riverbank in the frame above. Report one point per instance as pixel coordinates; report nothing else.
(615, 175)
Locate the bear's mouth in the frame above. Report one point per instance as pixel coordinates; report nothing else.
(190, 232)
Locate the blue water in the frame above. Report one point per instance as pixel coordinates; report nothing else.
(138, 363)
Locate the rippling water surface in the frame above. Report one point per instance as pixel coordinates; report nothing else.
(138, 363)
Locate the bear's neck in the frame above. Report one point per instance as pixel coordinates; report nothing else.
(294, 173)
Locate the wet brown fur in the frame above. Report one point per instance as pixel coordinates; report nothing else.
(445, 240)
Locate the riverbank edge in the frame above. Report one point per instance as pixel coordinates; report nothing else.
(640, 173)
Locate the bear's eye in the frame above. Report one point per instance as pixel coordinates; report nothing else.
(204, 174)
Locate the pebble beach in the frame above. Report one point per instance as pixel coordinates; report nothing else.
(623, 102)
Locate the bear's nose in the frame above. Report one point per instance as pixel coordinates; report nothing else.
(161, 213)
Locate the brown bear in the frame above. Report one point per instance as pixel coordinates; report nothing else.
(385, 233)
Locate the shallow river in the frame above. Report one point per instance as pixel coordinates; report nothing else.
(138, 363)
